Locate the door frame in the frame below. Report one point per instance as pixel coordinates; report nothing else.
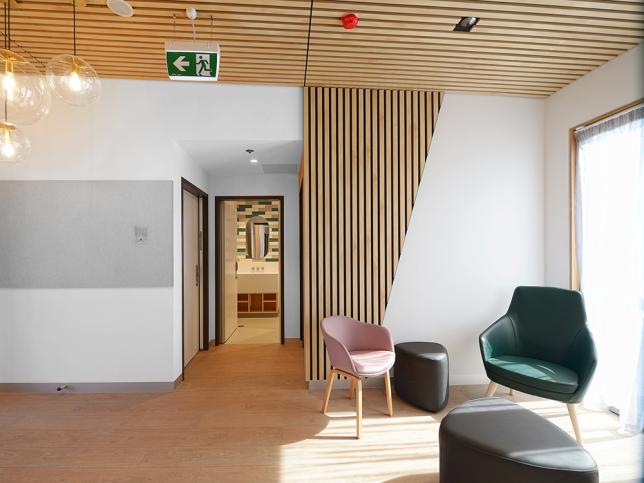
(218, 268)
(203, 196)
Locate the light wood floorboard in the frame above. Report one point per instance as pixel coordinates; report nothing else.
(256, 330)
(244, 414)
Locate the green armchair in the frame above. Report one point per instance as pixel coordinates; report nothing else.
(542, 346)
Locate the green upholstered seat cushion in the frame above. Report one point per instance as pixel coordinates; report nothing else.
(544, 375)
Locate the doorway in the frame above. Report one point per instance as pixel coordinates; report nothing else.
(249, 269)
(194, 236)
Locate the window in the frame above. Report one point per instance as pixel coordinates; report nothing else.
(608, 249)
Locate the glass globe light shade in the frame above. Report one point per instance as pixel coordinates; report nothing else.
(73, 80)
(14, 145)
(23, 90)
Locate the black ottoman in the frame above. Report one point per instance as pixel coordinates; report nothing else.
(493, 440)
(421, 374)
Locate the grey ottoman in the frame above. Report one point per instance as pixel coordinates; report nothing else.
(492, 440)
(421, 374)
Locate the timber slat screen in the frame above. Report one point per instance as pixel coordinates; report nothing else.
(364, 155)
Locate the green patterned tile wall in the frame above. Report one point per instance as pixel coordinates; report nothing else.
(269, 209)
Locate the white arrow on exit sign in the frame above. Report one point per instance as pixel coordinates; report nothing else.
(180, 63)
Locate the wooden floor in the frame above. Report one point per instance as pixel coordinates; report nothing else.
(244, 414)
(256, 330)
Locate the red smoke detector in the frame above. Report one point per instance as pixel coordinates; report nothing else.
(350, 21)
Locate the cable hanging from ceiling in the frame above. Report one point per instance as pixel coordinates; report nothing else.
(24, 97)
(71, 78)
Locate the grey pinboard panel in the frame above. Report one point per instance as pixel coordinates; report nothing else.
(85, 234)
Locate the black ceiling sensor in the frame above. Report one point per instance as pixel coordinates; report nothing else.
(465, 24)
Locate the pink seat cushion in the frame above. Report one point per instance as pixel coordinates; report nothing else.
(372, 363)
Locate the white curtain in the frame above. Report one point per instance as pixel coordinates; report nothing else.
(610, 251)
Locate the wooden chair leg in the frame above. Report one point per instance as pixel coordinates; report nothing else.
(491, 389)
(327, 393)
(390, 406)
(359, 408)
(572, 411)
(352, 389)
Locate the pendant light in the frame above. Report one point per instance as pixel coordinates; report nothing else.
(71, 78)
(23, 95)
(14, 145)
(23, 90)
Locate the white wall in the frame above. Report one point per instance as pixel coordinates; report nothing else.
(476, 230)
(57, 335)
(275, 185)
(613, 85)
(86, 335)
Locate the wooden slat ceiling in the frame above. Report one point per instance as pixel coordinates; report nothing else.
(522, 47)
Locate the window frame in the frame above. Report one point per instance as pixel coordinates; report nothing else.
(572, 175)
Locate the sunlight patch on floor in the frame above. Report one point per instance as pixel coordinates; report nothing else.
(404, 448)
(390, 447)
(613, 451)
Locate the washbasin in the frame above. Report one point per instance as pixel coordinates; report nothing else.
(257, 282)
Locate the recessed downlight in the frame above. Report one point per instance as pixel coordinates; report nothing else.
(252, 159)
(465, 24)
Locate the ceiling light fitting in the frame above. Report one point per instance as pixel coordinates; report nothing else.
(24, 97)
(71, 78)
(14, 145)
(465, 24)
(252, 159)
(24, 92)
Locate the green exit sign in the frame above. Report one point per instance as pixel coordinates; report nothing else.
(197, 60)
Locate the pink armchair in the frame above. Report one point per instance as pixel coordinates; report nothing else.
(357, 350)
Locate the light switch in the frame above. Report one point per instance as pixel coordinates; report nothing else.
(140, 235)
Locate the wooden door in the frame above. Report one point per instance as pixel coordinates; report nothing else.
(191, 277)
(230, 268)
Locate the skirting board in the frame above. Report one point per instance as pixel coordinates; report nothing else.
(454, 380)
(92, 387)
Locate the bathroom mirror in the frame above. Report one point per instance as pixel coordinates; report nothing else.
(257, 233)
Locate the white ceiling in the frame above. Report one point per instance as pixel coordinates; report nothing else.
(229, 157)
